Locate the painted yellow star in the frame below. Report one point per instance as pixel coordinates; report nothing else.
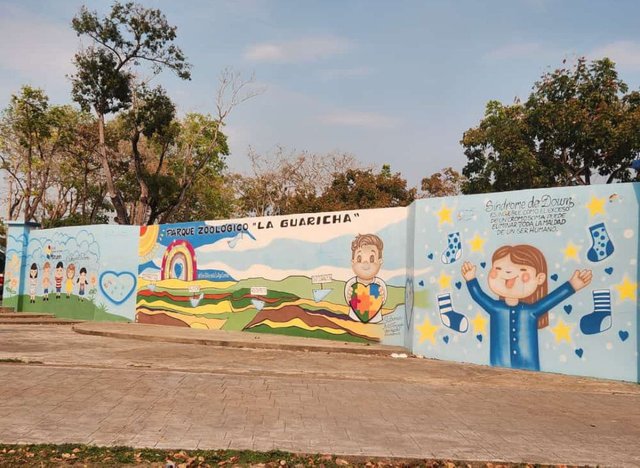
(479, 323)
(428, 331)
(595, 206)
(477, 243)
(626, 289)
(445, 280)
(562, 331)
(571, 252)
(444, 215)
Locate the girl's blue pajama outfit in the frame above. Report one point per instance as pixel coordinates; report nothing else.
(514, 330)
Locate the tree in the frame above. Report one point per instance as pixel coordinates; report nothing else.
(362, 188)
(33, 138)
(579, 123)
(288, 182)
(129, 37)
(448, 182)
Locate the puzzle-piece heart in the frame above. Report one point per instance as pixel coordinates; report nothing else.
(445, 339)
(568, 308)
(366, 301)
(608, 270)
(458, 284)
(479, 338)
(554, 277)
(579, 352)
(623, 334)
(117, 286)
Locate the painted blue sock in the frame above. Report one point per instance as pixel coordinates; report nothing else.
(454, 248)
(601, 246)
(600, 319)
(450, 318)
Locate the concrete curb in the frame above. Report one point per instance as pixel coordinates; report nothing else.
(159, 333)
(37, 321)
(26, 315)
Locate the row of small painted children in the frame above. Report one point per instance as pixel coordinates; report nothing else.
(81, 281)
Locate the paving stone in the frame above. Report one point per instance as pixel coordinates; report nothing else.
(187, 396)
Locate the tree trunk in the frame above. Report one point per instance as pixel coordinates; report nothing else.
(143, 205)
(114, 195)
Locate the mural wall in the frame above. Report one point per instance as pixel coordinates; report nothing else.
(86, 273)
(337, 275)
(537, 280)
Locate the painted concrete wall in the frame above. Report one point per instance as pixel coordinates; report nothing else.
(295, 275)
(539, 279)
(464, 282)
(87, 272)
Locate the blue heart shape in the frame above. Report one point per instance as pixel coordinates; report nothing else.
(568, 308)
(623, 334)
(458, 284)
(483, 264)
(430, 256)
(117, 291)
(445, 338)
(479, 338)
(608, 270)
(554, 277)
(177, 269)
(421, 283)
(579, 352)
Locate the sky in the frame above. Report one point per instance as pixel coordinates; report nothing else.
(395, 82)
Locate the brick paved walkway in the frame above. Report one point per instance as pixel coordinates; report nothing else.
(108, 391)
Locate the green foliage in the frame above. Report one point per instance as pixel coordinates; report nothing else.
(447, 182)
(47, 152)
(100, 83)
(363, 188)
(133, 34)
(578, 123)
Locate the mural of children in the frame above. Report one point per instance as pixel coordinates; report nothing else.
(46, 280)
(57, 276)
(71, 272)
(366, 293)
(33, 282)
(518, 276)
(82, 282)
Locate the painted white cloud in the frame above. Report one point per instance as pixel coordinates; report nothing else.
(515, 51)
(626, 54)
(306, 49)
(367, 221)
(349, 118)
(277, 274)
(33, 46)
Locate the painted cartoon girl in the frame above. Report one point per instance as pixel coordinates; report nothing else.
(518, 276)
(33, 282)
(71, 272)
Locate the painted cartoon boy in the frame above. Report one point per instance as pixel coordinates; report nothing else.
(366, 293)
(57, 276)
(46, 280)
(33, 282)
(82, 282)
